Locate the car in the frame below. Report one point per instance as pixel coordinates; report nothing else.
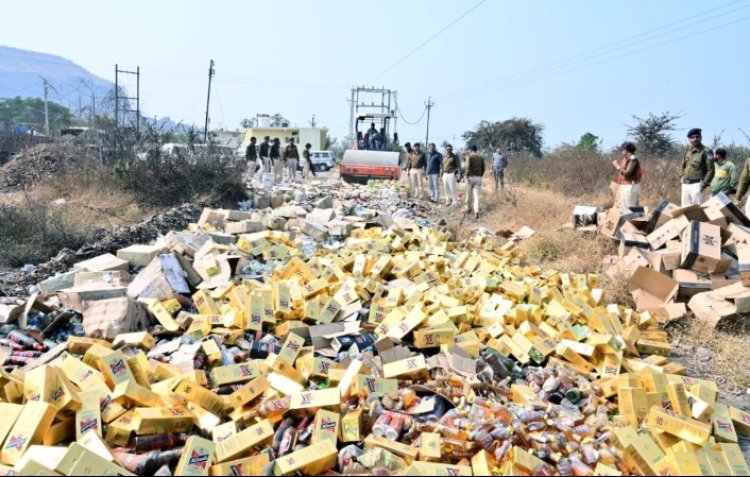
(323, 160)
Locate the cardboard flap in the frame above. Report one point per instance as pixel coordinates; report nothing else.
(654, 289)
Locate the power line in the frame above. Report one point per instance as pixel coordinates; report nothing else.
(426, 42)
(398, 110)
(606, 49)
(511, 84)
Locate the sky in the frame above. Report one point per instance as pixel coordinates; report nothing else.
(574, 66)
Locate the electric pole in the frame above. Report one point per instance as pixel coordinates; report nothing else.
(208, 100)
(429, 106)
(46, 108)
(312, 123)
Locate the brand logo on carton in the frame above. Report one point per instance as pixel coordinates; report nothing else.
(34, 397)
(306, 398)
(327, 424)
(268, 311)
(198, 460)
(452, 471)
(16, 442)
(411, 364)
(104, 402)
(324, 365)
(660, 420)
(371, 384)
(255, 318)
(58, 394)
(89, 425)
(429, 339)
(117, 367)
(236, 469)
(293, 347)
(85, 375)
(723, 425)
(245, 371)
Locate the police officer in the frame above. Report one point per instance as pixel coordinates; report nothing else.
(251, 155)
(265, 154)
(697, 169)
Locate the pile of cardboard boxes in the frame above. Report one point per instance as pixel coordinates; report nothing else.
(290, 371)
(697, 255)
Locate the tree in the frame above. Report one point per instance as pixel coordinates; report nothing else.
(330, 141)
(31, 110)
(279, 121)
(247, 123)
(515, 135)
(589, 142)
(652, 134)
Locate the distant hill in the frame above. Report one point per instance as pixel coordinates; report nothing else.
(21, 74)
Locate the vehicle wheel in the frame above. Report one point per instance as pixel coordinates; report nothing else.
(324, 168)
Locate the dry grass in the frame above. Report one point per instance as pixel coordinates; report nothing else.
(729, 361)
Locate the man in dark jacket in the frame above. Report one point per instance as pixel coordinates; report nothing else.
(265, 154)
(434, 168)
(251, 156)
(450, 169)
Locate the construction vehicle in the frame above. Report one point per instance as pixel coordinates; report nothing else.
(372, 155)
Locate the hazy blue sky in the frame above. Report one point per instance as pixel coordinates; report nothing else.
(505, 58)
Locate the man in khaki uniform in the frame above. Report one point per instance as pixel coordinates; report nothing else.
(416, 168)
(743, 186)
(697, 169)
(475, 168)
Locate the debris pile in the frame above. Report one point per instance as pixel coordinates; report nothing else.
(696, 255)
(345, 339)
(37, 163)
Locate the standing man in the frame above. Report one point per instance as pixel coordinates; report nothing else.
(265, 154)
(744, 186)
(278, 167)
(697, 169)
(434, 168)
(475, 168)
(307, 157)
(416, 167)
(451, 167)
(725, 174)
(499, 163)
(291, 157)
(251, 155)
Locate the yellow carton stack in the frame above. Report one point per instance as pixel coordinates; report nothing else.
(431, 357)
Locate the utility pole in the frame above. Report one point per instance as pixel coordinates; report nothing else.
(429, 106)
(46, 108)
(117, 95)
(312, 123)
(208, 100)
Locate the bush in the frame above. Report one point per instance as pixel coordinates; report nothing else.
(577, 172)
(172, 181)
(34, 232)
